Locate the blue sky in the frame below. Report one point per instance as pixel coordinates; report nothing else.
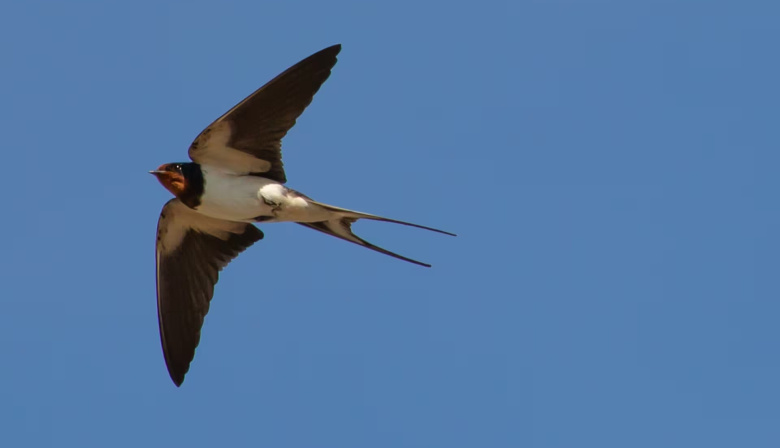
(610, 168)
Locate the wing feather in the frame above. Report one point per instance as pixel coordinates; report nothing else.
(248, 137)
(191, 250)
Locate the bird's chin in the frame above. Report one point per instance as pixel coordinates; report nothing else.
(172, 182)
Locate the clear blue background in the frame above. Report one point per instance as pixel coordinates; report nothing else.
(611, 168)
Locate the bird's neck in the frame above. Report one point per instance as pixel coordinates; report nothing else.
(193, 189)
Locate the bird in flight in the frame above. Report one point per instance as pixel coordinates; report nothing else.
(236, 178)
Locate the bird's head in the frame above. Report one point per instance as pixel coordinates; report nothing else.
(171, 177)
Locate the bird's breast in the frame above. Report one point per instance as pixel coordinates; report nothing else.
(233, 197)
(252, 198)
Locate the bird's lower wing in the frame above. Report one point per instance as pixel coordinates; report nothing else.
(191, 250)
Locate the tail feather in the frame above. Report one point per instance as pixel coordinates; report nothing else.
(340, 226)
(360, 215)
(379, 218)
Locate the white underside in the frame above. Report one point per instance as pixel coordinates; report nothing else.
(236, 197)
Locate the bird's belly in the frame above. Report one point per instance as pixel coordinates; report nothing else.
(234, 209)
(253, 198)
(234, 198)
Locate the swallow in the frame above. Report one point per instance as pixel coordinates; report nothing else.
(235, 180)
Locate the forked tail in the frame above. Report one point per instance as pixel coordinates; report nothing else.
(340, 226)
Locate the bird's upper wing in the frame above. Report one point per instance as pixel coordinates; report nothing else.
(248, 138)
(191, 250)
